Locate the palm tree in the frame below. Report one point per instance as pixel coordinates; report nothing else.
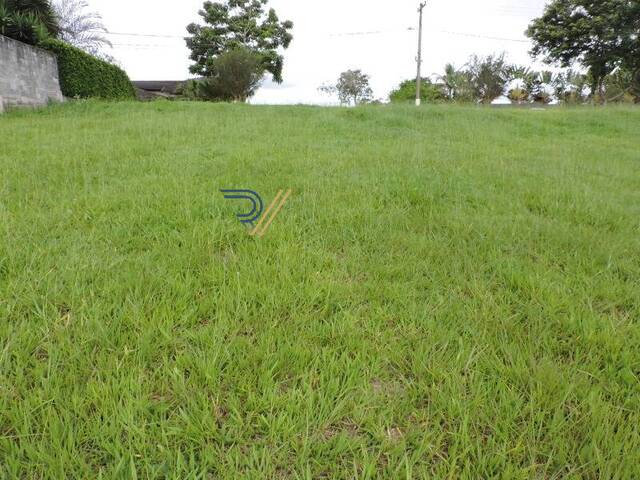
(29, 21)
(42, 10)
(450, 80)
(519, 93)
(80, 28)
(539, 84)
(455, 83)
(571, 86)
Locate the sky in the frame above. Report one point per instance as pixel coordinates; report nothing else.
(377, 36)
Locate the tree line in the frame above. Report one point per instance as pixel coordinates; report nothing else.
(595, 42)
(485, 79)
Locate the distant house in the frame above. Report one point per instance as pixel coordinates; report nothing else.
(152, 89)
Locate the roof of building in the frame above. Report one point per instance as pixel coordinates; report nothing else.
(165, 86)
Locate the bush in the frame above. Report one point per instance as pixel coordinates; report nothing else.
(235, 77)
(28, 21)
(189, 90)
(237, 74)
(84, 76)
(406, 92)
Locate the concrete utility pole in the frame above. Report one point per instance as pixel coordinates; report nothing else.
(419, 59)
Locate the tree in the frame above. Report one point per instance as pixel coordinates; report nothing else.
(619, 86)
(600, 34)
(429, 92)
(80, 28)
(518, 95)
(30, 21)
(236, 75)
(237, 24)
(540, 86)
(352, 88)
(571, 86)
(519, 78)
(488, 77)
(456, 83)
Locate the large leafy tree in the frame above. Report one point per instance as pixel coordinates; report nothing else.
(600, 34)
(237, 24)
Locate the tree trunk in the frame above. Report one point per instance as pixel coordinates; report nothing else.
(635, 86)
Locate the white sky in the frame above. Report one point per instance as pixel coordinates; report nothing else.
(323, 44)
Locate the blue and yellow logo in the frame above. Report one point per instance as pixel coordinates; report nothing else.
(264, 218)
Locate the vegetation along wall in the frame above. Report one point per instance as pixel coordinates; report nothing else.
(85, 76)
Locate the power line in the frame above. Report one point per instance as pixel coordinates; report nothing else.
(373, 32)
(486, 37)
(147, 45)
(153, 35)
(409, 30)
(339, 34)
(502, 9)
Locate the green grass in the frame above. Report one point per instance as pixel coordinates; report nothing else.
(451, 292)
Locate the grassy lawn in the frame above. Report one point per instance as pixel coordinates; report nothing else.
(451, 292)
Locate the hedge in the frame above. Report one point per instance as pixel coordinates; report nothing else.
(84, 76)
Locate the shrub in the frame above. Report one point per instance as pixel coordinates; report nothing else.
(84, 76)
(28, 21)
(189, 90)
(406, 92)
(236, 75)
(24, 27)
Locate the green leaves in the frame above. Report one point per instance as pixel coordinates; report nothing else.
(488, 77)
(237, 75)
(600, 34)
(29, 21)
(238, 23)
(406, 92)
(352, 88)
(85, 76)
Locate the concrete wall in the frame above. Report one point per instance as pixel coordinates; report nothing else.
(28, 75)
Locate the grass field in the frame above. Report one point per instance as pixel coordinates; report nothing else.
(451, 292)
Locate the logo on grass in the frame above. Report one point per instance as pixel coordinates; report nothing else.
(258, 220)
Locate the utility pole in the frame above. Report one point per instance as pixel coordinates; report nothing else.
(419, 59)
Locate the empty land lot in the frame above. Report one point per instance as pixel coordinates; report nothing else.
(450, 292)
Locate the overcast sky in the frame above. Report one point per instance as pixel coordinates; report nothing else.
(377, 36)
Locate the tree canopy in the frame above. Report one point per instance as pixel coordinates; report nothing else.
(237, 24)
(602, 35)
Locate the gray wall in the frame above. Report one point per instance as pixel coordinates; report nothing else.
(28, 75)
